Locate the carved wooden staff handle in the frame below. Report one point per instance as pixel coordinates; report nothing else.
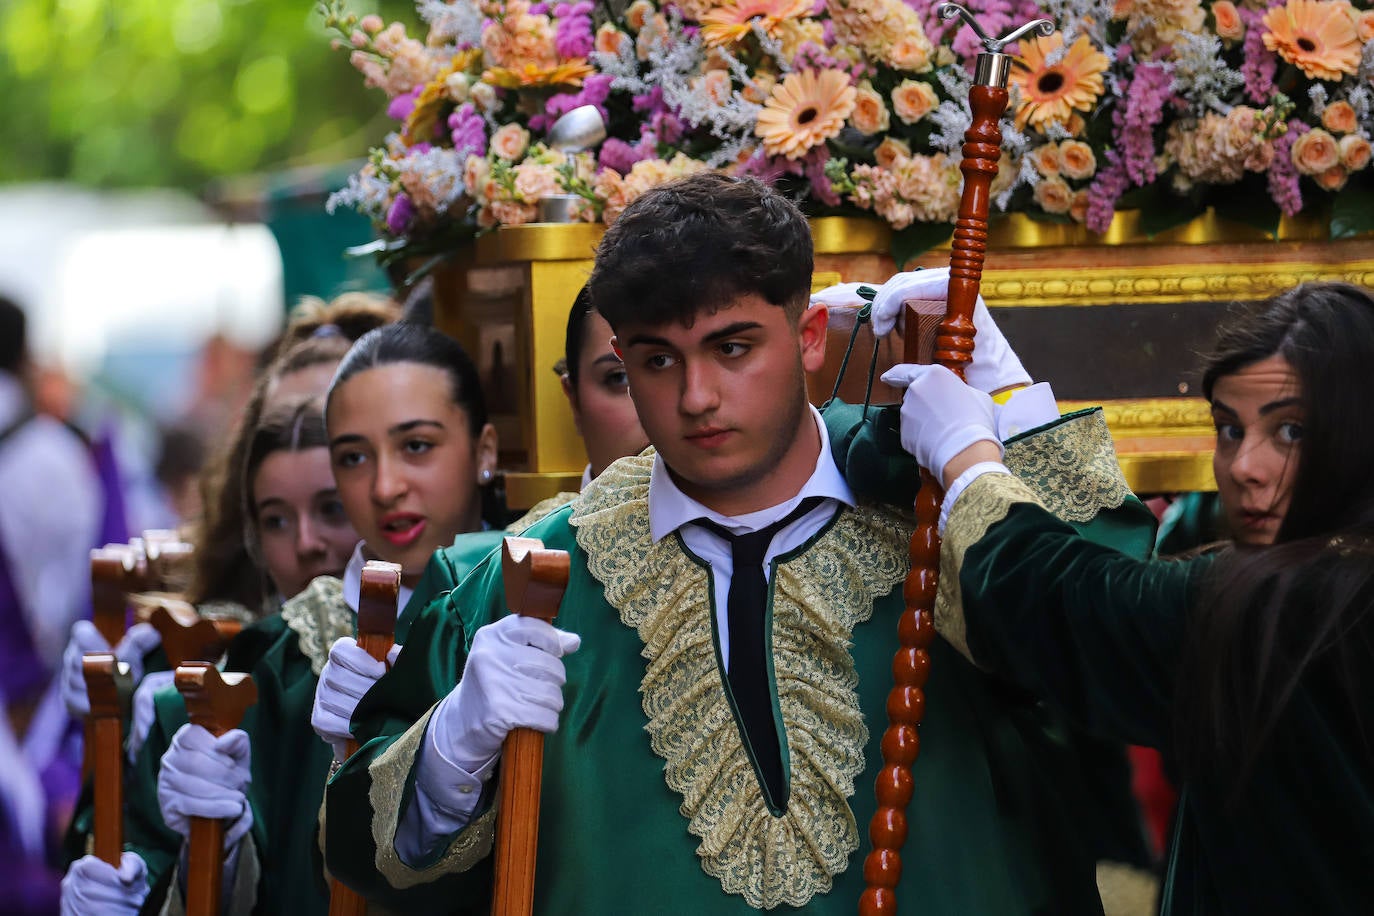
(217, 703)
(111, 569)
(187, 637)
(535, 580)
(108, 685)
(378, 597)
(953, 349)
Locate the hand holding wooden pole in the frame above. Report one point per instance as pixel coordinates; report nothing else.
(108, 685)
(953, 349)
(535, 580)
(378, 599)
(217, 703)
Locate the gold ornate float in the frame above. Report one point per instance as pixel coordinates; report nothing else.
(1153, 304)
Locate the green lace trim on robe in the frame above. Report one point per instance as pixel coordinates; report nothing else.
(227, 610)
(819, 596)
(1071, 466)
(982, 504)
(539, 511)
(388, 774)
(319, 615)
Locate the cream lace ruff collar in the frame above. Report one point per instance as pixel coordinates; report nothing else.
(819, 596)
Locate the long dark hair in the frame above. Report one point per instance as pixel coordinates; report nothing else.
(1267, 616)
(404, 342)
(319, 333)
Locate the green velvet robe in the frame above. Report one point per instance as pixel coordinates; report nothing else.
(1100, 635)
(649, 795)
(289, 762)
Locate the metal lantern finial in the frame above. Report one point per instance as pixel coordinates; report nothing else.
(993, 67)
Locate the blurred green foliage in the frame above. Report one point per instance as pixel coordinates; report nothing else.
(176, 92)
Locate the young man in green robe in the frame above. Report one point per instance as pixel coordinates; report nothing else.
(714, 707)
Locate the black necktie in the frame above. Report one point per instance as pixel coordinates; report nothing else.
(749, 652)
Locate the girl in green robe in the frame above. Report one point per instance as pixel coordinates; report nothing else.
(410, 449)
(1251, 667)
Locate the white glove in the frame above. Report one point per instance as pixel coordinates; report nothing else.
(95, 886)
(144, 709)
(205, 776)
(140, 639)
(513, 679)
(995, 365)
(842, 295)
(349, 673)
(941, 416)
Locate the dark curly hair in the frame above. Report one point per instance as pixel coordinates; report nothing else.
(697, 244)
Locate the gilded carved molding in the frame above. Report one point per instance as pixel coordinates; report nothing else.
(1162, 283)
(1151, 416)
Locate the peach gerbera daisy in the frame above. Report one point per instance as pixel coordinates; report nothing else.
(1051, 92)
(803, 111)
(1319, 38)
(729, 22)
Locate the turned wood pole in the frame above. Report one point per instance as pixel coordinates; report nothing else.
(108, 686)
(906, 702)
(217, 703)
(111, 569)
(535, 580)
(379, 595)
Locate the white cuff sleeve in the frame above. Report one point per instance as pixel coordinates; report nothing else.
(446, 795)
(1026, 409)
(961, 483)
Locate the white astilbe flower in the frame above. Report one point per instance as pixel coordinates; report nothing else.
(1317, 93)
(366, 192)
(434, 178)
(459, 23)
(1197, 76)
(674, 68)
(771, 46)
(1362, 100)
(952, 118)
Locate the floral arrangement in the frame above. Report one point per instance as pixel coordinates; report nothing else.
(1258, 108)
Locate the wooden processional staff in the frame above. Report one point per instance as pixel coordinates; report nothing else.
(217, 703)
(953, 350)
(109, 686)
(378, 598)
(535, 580)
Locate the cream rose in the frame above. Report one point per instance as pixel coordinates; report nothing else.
(1053, 195)
(1355, 152)
(1333, 179)
(1340, 118)
(1076, 159)
(890, 151)
(913, 100)
(510, 142)
(1228, 22)
(1046, 159)
(1078, 207)
(870, 114)
(609, 39)
(1315, 152)
(638, 13)
(1364, 25)
(910, 54)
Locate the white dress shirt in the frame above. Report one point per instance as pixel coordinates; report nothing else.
(353, 582)
(672, 510)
